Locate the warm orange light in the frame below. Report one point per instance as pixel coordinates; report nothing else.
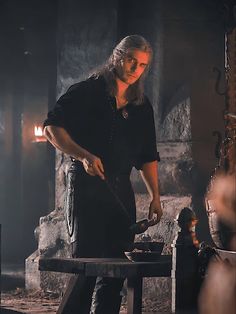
(38, 133)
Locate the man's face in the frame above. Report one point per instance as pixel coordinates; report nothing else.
(133, 66)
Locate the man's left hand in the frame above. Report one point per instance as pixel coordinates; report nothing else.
(155, 210)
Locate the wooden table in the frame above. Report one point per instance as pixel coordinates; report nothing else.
(112, 267)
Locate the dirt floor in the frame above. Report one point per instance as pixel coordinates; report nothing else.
(20, 301)
(15, 299)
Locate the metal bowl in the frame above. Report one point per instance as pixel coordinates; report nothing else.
(148, 251)
(143, 256)
(149, 246)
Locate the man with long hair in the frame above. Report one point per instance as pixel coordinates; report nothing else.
(106, 125)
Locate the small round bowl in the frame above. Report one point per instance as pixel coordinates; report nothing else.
(148, 251)
(143, 256)
(149, 246)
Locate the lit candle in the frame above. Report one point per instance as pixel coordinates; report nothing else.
(38, 133)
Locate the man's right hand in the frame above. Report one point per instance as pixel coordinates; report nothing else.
(93, 166)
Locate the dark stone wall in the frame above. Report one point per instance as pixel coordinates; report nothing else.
(87, 32)
(27, 79)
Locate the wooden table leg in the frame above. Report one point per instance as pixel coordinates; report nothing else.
(134, 295)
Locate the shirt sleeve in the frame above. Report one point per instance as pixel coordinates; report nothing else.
(67, 106)
(149, 149)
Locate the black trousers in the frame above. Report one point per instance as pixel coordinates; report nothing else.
(102, 230)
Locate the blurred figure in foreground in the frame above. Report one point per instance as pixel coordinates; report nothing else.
(218, 292)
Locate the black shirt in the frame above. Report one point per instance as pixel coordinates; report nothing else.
(122, 138)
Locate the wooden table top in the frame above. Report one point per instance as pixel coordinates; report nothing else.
(108, 267)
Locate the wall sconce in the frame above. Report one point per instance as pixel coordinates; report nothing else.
(38, 135)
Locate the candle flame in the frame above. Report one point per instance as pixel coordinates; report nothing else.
(38, 131)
